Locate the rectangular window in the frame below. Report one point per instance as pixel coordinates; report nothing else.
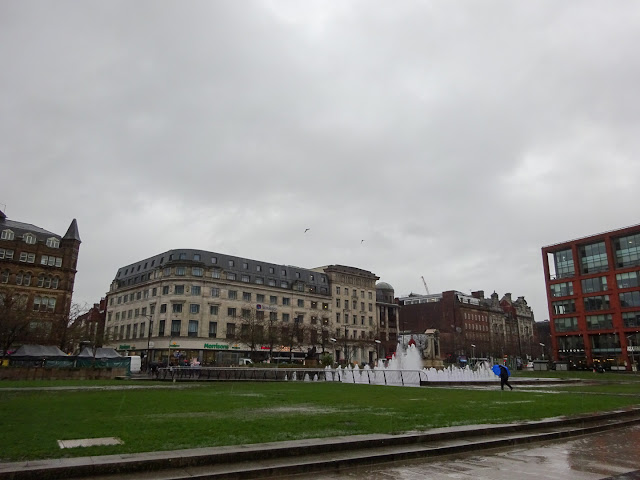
(231, 312)
(231, 330)
(285, 317)
(232, 263)
(600, 302)
(246, 296)
(271, 282)
(161, 328)
(599, 322)
(593, 258)
(259, 280)
(561, 289)
(337, 318)
(194, 308)
(178, 290)
(246, 313)
(567, 324)
(135, 330)
(175, 328)
(627, 280)
(627, 251)
(176, 308)
(631, 319)
(245, 278)
(213, 309)
(564, 306)
(300, 303)
(196, 257)
(337, 290)
(232, 295)
(181, 271)
(630, 299)
(563, 262)
(231, 276)
(273, 300)
(163, 308)
(337, 302)
(260, 298)
(195, 290)
(165, 290)
(193, 328)
(286, 301)
(314, 305)
(213, 329)
(215, 292)
(197, 271)
(215, 273)
(591, 285)
(273, 316)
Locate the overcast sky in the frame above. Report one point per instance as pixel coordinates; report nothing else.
(456, 138)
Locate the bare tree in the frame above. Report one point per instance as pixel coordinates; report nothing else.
(66, 331)
(252, 328)
(15, 319)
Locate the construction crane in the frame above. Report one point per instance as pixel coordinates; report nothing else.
(425, 286)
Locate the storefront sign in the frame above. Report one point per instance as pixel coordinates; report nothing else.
(633, 348)
(262, 306)
(216, 346)
(127, 347)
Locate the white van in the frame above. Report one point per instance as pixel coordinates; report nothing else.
(135, 363)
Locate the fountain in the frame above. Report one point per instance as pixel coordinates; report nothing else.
(405, 368)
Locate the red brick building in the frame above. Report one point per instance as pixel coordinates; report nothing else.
(593, 293)
(471, 325)
(37, 273)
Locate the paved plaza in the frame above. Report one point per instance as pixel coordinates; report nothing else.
(612, 454)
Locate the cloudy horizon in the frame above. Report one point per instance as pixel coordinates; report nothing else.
(450, 140)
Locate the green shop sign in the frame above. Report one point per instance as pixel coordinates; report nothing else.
(216, 346)
(126, 347)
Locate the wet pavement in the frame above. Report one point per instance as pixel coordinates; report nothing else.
(613, 454)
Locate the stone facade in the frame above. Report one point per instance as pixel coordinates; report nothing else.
(190, 304)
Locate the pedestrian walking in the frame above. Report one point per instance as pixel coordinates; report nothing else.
(504, 378)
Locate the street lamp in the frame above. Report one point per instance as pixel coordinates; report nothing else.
(542, 349)
(333, 340)
(150, 317)
(378, 342)
(473, 351)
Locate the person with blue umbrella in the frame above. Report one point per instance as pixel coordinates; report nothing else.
(503, 372)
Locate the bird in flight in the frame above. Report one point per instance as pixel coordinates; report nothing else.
(306, 230)
(361, 241)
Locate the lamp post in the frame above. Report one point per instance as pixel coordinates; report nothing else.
(150, 317)
(634, 367)
(377, 342)
(542, 349)
(333, 340)
(473, 351)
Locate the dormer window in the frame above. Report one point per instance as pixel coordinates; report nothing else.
(53, 242)
(29, 238)
(7, 235)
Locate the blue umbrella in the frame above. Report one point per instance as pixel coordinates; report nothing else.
(496, 369)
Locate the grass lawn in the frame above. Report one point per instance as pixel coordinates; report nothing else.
(178, 416)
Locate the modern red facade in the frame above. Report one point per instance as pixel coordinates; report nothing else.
(593, 294)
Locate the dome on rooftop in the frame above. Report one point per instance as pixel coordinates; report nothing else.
(383, 286)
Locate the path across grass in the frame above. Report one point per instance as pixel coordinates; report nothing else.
(177, 416)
